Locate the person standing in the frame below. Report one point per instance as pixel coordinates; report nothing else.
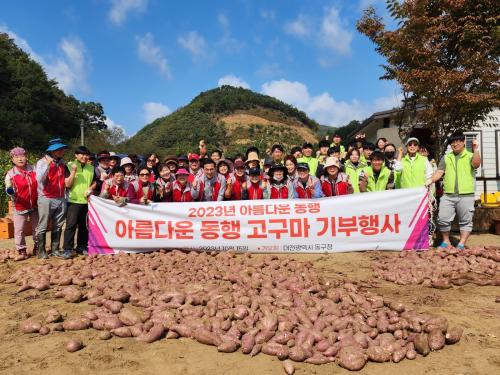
(312, 162)
(306, 186)
(255, 186)
(376, 177)
(336, 142)
(458, 168)
(353, 167)
(334, 182)
(277, 153)
(210, 186)
(80, 184)
(21, 187)
(278, 186)
(116, 187)
(413, 169)
(51, 174)
(181, 188)
(238, 178)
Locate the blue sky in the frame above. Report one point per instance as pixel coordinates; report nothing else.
(144, 58)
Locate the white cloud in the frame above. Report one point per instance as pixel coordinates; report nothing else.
(195, 44)
(232, 80)
(69, 68)
(268, 15)
(120, 9)
(227, 42)
(269, 70)
(330, 33)
(111, 124)
(298, 27)
(323, 107)
(154, 110)
(152, 54)
(333, 34)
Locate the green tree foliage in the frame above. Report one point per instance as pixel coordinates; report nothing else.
(445, 54)
(32, 108)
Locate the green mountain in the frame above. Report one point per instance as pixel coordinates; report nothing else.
(228, 118)
(32, 108)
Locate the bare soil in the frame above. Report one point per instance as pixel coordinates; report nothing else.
(470, 306)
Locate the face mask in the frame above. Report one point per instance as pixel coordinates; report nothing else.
(390, 154)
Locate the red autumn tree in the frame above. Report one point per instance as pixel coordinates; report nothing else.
(445, 55)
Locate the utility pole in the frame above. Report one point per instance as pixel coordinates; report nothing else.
(82, 137)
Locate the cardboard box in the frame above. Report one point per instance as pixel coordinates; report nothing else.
(6, 229)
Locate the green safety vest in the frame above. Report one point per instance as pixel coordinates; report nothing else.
(83, 179)
(312, 162)
(383, 179)
(353, 173)
(413, 173)
(463, 170)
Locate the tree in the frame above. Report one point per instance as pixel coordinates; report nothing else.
(445, 55)
(32, 108)
(93, 115)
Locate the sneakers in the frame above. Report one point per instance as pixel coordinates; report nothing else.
(460, 246)
(444, 246)
(65, 254)
(42, 254)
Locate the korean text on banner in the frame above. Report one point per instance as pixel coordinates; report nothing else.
(388, 220)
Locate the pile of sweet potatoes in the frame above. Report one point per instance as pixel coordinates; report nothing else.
(441, 269)
(266, 304)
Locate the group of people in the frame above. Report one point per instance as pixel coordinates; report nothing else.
(57, 192)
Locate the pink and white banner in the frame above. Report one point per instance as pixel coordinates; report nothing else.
(388, 220)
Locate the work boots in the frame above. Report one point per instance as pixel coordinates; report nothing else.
(41, 253)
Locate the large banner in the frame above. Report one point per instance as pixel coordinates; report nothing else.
(388, 220)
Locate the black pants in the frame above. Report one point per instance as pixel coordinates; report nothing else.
(76, 218)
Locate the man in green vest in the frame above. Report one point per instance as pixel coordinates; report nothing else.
(412, 170)
(80, 184)
(458, 168)
(307, 157)
(337, 138)
(376, 177)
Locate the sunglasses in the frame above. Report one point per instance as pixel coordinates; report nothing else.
(412, 144)
(143, 174)
(152, 160)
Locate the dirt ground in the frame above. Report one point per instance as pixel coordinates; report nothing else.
(472, 307)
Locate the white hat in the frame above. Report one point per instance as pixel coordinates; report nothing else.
(332, 161)
(126, 160)
(412, 139)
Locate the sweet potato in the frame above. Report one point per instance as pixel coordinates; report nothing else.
(297, 354)
(182, 329)
(44, 331)
(228, 346)
(74, 345)
(378, 354)
(122, 332)
(113, 306)
(352, 358)
(76, 324)
(206, 337)
(278, 350)
(453, 335)
(422, 344)
(288, 367)
(105, 335)
(436, 339)
(129, 317)
(247, 342)
(154, 334)
(53, 316)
